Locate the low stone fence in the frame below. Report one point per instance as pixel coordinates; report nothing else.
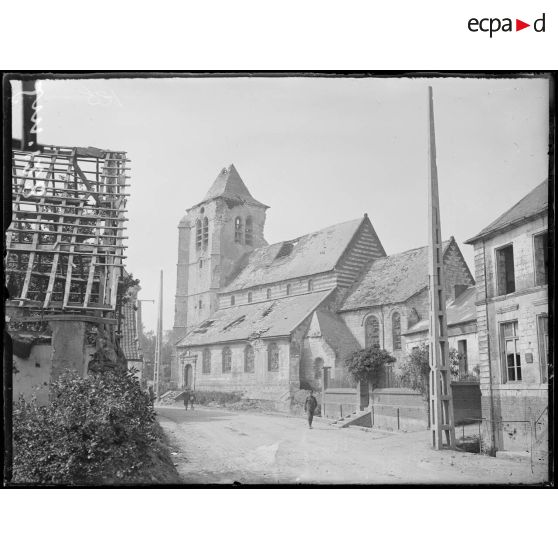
(399, 409)
(339, 402)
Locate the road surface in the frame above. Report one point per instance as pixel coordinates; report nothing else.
(210, 445)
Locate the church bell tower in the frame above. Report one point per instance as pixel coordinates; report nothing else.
(214, 238)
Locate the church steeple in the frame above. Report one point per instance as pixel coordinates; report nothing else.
(215, 236)
(229, 185)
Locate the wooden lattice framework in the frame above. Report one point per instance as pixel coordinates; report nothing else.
(65, 245)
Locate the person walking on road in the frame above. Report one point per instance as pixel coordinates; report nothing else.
(309, 407)
(186, 397)
(192, 399)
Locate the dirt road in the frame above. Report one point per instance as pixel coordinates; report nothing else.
(218, 446)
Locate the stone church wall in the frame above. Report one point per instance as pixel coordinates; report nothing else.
(455, 271)
(260, 384)
(298, 286)
(313, 348)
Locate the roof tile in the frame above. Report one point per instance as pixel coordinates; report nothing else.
(535, 202)
(229, 185)
(460, 310)
(307, 255)
(272, 318)
(391, 279)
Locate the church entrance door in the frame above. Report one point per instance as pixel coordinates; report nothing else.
(188, 376)
(364, 395)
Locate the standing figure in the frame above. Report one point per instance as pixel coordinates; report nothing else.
(309, 407)
(192, 399)
(186, 399)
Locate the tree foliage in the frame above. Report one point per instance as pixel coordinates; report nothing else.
(368, 364)
(94, 429)
(415, 370)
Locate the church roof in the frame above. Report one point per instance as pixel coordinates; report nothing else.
(459, 311)
(535, 202)
(391, 279)
(272, 318)
(336, 333)
(230, 186)
(307, 255)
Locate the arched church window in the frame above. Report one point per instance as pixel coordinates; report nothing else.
(268, 294)
(249, 359)
(249, 232)
(318, 368)
(310, 285)
(227, 360)
(198, 235)
(233, 300)
(205, 232)
(238, 230)
(372, 332)
(249, 297)
(206, 361)
(272, 357)
(396, 330)
(288, 289)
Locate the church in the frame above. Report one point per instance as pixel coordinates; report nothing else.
(267, 320)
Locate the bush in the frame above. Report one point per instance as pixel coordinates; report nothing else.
(96, 429)
(415, 370)
(368, 364)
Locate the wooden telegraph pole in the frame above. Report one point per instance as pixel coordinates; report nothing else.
(441, 404)
(159, 339)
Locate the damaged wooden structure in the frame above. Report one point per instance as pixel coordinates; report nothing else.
(65, 252)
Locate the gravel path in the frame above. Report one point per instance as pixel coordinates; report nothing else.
(219, 446)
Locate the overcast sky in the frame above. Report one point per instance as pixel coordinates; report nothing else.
(317, 150)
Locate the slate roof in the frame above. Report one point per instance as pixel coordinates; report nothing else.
(391, 279)
(313, 253)
(230, 186)
(338, 336)
(460, 310)
(129, 342)
(535, 202)
(272, 318)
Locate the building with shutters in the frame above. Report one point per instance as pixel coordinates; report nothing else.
(512, 275)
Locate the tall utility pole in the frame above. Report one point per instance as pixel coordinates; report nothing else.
(441, 403)
(159, 339)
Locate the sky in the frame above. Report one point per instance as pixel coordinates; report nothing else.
(318, 151)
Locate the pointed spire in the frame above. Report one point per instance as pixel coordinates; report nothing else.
(228, 184)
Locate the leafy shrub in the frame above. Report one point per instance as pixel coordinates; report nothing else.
(415, 370)
(368, 364)
(96, 429)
